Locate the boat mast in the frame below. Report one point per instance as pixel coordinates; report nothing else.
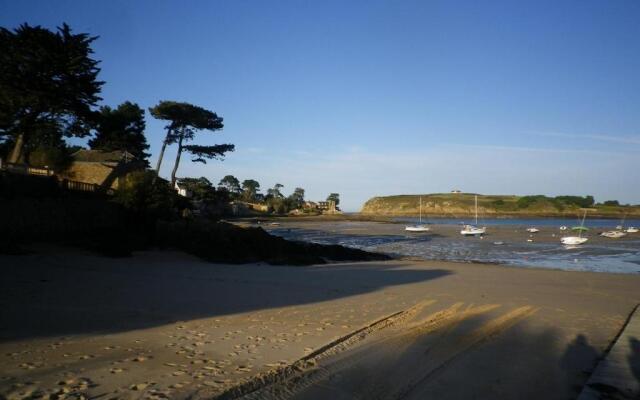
(476, 210)
(582, 224)
(420, 218)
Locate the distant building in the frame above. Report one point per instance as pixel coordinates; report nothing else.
(456, 191)
(328, 207)
(106, 169)
(182, 190)
(325, 207)
(310, 205)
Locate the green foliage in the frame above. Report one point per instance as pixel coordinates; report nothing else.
(275, 192)
(498, 203)
(231, 184)
(279, 205)
(48, 85)
(335, 197)
(297, 198)
(57, 158)
(184, 121)
(149, 198)
(611, 203)
(579, 201)
(528, 201)
(201, 188)
(202, 153)
(185, 116)
(121, 129)
(250, 189)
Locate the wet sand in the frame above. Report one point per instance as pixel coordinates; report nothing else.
(167, 325)
(502, 244)
(504, 233)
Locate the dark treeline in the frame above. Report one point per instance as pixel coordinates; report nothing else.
(49, 92)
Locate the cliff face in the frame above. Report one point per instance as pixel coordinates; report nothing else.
(462, 205)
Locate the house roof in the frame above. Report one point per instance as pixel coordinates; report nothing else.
(84, 155)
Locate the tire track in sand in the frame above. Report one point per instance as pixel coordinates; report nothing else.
(296, 371)
(288, 385)
(475, 338)
(397, 371)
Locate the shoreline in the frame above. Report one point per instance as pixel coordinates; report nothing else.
(507, 244)
(392, 218)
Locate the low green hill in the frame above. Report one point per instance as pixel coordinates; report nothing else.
(462, 204)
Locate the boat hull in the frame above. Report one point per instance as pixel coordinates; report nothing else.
(613, 234)
(472, 231)
(573, 240)
(417, 228)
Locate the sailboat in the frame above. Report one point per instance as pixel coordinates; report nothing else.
(618, 232)
(614, 234)
(473, 230)
(573, 240)
(420, 227)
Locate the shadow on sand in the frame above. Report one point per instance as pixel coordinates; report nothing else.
(634, 358)
(475, 358)
(78, 294)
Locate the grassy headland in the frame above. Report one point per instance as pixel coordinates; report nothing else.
(462, 204)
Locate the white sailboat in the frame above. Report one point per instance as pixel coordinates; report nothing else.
(574, 240)
(614, 234)
(631, 229)
(419, 227)
(473, 230)
(618, 232)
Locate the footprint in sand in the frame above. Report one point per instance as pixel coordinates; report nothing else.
(139, 386)
(244, 368)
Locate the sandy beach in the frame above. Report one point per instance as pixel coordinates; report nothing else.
(167, 325)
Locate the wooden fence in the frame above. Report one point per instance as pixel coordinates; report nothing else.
(79, 186)
(26, 169)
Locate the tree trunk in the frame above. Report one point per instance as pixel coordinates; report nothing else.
(164, 146)
(17, 155)
(175, 167)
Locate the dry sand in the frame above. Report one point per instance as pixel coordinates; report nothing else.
(166, 325)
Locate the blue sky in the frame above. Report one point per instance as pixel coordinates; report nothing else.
(380, 97)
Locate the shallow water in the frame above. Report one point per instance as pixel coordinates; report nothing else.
(608, 256)
(538, 222)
